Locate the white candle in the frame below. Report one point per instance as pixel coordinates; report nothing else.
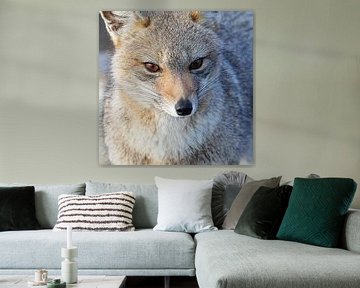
(69, 237)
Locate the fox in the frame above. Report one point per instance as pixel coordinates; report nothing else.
(180, 88)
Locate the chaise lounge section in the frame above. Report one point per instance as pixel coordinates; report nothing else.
(226, 259)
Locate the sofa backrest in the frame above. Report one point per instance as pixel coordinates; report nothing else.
(146, 203)
(46, 200)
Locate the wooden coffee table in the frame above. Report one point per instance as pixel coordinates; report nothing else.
(84, 281)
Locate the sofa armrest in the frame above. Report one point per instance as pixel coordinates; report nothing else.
(351, 234)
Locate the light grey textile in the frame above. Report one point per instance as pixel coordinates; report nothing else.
(225, 189)
(46, 200)
(137, 250)
(225, 259)
(184, 205)
(351, 234)
(146, 204)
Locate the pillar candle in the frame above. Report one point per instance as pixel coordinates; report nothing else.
(69, 237)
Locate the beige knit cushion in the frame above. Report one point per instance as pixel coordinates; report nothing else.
(105, 212)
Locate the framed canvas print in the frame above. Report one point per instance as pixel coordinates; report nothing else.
(176, 87)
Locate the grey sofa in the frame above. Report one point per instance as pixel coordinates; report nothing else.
(218, 259)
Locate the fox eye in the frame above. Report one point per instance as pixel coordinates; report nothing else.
(151, 67)
(196, 64)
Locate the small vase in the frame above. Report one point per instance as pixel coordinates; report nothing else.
(69, 271)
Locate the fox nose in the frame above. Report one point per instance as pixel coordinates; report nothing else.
(183, 107)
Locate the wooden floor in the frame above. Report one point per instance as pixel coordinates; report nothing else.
(158, 282)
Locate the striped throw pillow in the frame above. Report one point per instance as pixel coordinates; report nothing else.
(105, 212)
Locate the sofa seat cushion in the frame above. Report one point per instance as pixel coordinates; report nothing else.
(137, 250)
(226, 259)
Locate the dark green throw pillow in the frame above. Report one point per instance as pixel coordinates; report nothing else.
(316, 211)
(17, 208)
(263, 214)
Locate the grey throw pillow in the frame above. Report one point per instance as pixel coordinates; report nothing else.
(226, 187)
(243, 198)
(184, 205)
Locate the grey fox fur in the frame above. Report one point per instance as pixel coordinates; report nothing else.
(180, 89)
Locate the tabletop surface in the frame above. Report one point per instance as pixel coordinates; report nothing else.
(13, 281)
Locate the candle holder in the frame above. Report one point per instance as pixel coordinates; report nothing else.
(69, 271)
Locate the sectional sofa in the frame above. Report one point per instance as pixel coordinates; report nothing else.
(218, 259)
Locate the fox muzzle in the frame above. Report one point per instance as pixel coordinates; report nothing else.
(184, 107)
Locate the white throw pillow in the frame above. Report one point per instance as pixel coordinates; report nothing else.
(184, 205)
(104, 212)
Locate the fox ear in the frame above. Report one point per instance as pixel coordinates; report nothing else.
(195, 16)
(209, 19)
(142, 18)
(114, 21)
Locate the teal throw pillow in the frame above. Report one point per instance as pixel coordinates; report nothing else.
(316, 211)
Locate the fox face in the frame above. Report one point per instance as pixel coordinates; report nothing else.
(164, 61)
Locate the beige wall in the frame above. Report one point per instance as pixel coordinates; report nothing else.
(307, 91)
